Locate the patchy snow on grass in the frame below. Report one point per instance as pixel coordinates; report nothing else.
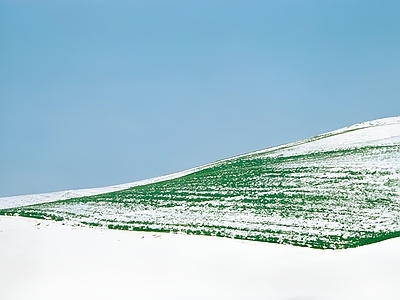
(378, 132)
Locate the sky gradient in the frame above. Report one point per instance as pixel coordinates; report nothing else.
(95, 93)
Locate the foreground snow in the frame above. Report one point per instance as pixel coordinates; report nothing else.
(47, 260)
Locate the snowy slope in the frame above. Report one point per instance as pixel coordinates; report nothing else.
(336, 190)
(378, 132)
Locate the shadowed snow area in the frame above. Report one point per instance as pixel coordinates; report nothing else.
(336, 190)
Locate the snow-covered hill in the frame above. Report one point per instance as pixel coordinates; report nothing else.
(336, 190)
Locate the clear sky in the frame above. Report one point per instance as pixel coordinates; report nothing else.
(95, 93)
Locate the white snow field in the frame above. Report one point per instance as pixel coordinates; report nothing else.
(47, 260)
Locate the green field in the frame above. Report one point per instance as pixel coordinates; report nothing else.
(328, 199)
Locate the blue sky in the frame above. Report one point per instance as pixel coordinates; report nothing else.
(95, 93)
